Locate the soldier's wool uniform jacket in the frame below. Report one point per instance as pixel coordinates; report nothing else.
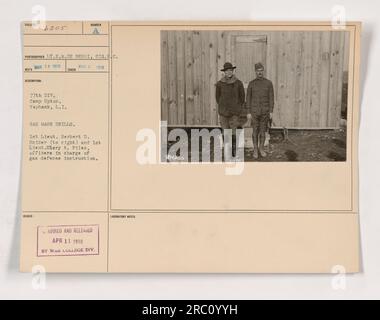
(260, 96)
(230, 96)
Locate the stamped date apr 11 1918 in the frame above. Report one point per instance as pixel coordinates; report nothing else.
(68, 240)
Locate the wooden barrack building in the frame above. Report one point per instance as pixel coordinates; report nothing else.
(307, 70)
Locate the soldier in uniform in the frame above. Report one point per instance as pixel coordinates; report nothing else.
(230, 97)
(260, 102)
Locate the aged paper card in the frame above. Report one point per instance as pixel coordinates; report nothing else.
(219, 147)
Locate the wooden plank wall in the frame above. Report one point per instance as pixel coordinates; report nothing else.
(306, 69)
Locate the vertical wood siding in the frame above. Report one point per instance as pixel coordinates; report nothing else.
(306, 69)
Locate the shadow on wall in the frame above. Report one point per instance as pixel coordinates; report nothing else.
(344, 95)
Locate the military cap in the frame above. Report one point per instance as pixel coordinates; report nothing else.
(259, 65)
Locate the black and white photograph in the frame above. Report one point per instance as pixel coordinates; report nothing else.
(254, 95)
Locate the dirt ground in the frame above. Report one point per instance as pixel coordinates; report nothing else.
(304, 145)
(301, 145)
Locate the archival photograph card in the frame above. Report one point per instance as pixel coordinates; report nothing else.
(190, 147)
